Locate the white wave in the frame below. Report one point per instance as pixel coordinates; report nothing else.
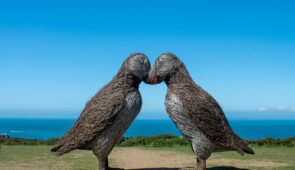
(16, 131)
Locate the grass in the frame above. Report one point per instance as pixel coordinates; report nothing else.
(268, 154)
(39, 157)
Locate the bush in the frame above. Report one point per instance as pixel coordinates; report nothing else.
(152, 141)
(289, 142)
(22, 141)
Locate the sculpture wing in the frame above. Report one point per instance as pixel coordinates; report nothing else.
(208, 116)
(98, 114)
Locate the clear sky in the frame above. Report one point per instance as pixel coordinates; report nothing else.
(55, 55)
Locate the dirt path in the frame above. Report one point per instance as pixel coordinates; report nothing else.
(132, 158)
(135, 158)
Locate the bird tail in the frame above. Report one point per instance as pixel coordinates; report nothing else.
(242, 147)
(61, 147)
(57, 149)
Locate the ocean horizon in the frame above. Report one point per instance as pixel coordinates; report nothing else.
(33, 128)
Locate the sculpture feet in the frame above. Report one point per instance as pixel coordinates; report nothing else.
(201, 164)
(103, 164)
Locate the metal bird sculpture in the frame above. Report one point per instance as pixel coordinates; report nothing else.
(109, 113)
(194, 111)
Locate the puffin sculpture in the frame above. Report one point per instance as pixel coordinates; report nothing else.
(109, 113)
(195, 112)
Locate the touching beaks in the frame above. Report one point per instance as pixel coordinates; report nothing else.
(151, 77)
(154, 78)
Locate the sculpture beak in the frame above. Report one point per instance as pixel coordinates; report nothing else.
(154, 78)
(151, 78)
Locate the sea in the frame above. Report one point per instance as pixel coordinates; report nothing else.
(54, 128)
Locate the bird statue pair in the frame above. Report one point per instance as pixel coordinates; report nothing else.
(111, 111)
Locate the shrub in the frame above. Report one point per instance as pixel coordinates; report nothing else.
(22, 141)
(153, 141)
(165, 140)
(289, 142)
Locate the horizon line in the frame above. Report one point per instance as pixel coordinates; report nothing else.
(152, 119)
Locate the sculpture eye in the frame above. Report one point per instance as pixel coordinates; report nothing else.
(161, 61)
(140, 59)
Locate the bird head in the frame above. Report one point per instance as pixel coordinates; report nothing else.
(138, 65)
(165, 65)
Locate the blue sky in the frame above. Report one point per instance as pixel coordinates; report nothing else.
(55, 55)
